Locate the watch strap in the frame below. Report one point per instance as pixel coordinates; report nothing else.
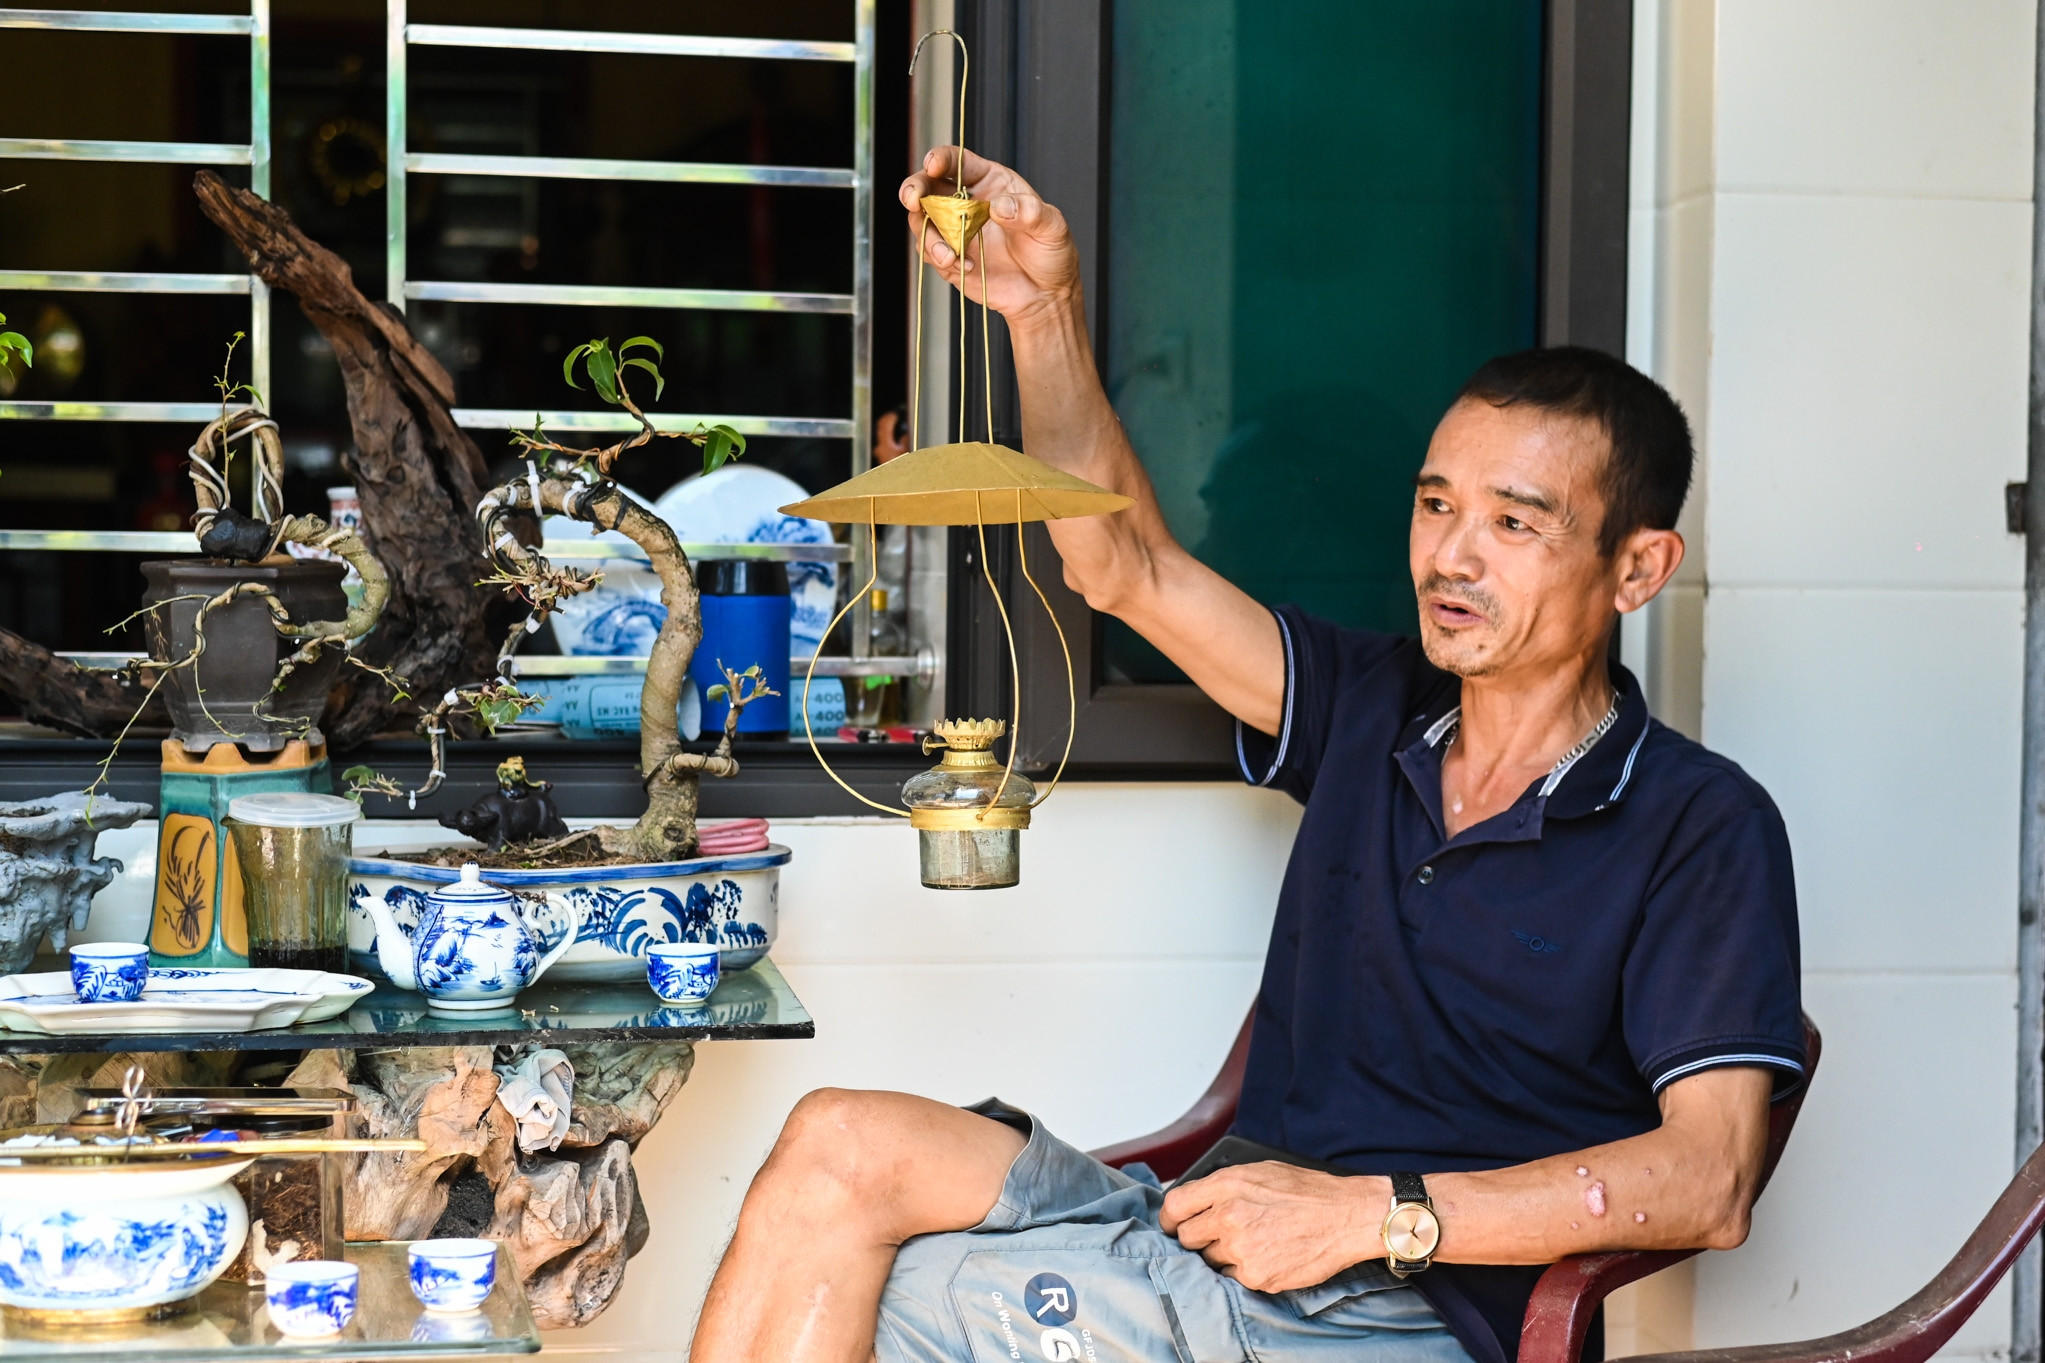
(1409, 1187)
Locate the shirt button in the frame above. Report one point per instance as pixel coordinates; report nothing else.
(1426, 876)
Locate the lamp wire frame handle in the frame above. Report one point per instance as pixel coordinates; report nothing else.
(809, 676)
(958, 169)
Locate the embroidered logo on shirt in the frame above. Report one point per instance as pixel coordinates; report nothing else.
(1540, 946)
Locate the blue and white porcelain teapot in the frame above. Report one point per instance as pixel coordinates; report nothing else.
(472, 951)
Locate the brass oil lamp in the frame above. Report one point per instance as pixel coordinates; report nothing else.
(969, 810)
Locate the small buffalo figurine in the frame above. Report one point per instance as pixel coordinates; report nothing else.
(519, 810)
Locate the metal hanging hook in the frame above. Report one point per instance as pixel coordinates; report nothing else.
(958, 166)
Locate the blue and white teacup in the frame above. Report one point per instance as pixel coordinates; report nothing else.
(311, 1297)
(683, 972)
(109, 972)
(453, 1275)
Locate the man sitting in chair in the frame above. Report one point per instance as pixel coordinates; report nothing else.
(1534, 973)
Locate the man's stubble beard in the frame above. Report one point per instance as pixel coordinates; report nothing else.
(1451, 652)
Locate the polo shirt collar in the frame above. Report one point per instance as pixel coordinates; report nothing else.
(1598, 780)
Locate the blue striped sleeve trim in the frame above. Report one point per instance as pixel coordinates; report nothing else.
(1753, 1052)
(1284, 724)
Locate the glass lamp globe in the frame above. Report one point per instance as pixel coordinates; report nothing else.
(969, 810)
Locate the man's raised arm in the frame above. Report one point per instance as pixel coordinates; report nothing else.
(1127, 564)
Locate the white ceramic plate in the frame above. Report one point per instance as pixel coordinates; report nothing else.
(621, 615)
(337, 993)
(180, 999)
(741, 504)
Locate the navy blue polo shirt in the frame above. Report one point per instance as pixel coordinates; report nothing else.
(1525, 988)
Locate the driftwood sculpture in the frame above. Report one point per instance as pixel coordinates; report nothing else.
(420, 477)
(570, 1217)
(418, 473)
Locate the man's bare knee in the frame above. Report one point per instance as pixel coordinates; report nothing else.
(888, 1163)
(836, 1146)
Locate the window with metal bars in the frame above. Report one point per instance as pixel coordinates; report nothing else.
(514, 182)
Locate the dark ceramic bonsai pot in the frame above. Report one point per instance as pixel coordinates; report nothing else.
(243, 648)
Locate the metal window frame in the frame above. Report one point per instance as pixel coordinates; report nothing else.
(255, 154)
(1043, 107)
(400, 289)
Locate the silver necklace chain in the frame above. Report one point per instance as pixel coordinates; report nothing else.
(1598, 731)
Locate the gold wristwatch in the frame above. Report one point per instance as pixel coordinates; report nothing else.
(1412, 1231)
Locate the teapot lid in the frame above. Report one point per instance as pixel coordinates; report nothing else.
(471, 886)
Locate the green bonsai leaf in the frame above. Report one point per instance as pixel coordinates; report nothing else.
(568, 365)
(720, 445)
(495, 712)
(367, 780)
(717, 692)
(658, 348)
(603, 371)
(18, 344)
(659, 383)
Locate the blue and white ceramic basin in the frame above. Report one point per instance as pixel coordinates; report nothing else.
(116, 1240)
(732, 901)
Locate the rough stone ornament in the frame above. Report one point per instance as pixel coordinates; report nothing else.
(48, 874)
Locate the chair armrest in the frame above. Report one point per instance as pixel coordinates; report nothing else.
(1567, 1298)
(1914, 1331)
(1171, 1150)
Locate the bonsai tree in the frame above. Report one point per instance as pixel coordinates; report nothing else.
(562, 480)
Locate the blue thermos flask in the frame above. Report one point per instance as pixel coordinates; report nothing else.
(746, 613)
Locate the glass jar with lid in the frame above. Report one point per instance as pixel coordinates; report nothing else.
(969, 810)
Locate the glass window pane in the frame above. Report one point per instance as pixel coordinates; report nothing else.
(1323, 215)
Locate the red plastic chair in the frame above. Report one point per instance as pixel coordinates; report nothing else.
(1566, 1300)
(1917, 1329)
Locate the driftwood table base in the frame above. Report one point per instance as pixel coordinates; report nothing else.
(568, 1217)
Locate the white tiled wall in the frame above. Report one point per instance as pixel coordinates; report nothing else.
(1101, 993)
(1862, 250)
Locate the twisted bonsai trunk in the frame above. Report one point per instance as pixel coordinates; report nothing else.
(667, 830)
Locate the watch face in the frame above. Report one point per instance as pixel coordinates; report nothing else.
(1411, 1231)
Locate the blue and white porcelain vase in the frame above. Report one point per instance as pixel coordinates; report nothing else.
(115, 1242)
(471, 950)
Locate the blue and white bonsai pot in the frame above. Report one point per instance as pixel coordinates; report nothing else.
(115, 1241)
(621, 910)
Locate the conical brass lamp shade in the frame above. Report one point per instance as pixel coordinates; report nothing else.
(969, 484)
(957, 220)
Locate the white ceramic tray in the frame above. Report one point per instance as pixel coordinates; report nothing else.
(181, 999)
(337, 993)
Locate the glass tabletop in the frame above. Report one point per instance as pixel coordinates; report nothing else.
(228, 1321)
(749, 1005)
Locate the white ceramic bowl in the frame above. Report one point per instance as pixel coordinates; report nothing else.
(733, 901)
(116, 1239)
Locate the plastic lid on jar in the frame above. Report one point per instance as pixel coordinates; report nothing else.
(293, 809)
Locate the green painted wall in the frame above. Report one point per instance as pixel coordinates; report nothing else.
(1323, 216)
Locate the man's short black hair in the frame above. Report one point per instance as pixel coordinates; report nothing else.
(1647, 475)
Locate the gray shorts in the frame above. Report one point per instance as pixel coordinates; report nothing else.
(1070, 1265)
